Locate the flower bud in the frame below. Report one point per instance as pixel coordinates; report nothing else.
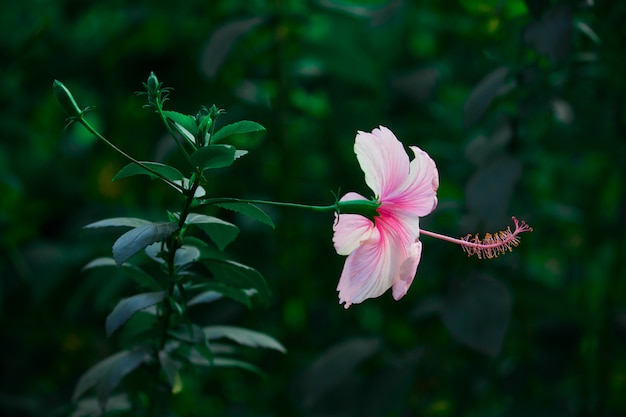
(65, 99)
(153, 83)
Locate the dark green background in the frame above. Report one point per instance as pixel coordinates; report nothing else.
(520, 103)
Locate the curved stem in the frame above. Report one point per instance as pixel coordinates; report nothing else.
(97, 134)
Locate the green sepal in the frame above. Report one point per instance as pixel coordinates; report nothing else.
(365, 208)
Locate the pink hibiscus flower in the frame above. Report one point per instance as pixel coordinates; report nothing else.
(385, 253)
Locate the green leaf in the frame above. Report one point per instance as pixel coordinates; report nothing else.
(241, 127)
(154, 252)
(336, 366)
(244, 337)
(170, 368)
(239, 276)
(166, 171)
(89, 406)
(202, 356)
(477, 313)
(207, 297)
(213, 156)
(220, 231)
(118, 222)
(222, 40)
(136, 273)
(138, 238)
(236, 363)
(490, 188)
(108, 373)
(249, 210)
(204, 351)
(194, 241)
(215, 291)
(189, 333)
(483, 94)
(129, 306)
(185, 121)
(186, 255)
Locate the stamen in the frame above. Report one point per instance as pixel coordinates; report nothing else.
(492, 245)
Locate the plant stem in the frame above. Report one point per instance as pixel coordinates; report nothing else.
(172, 247)
(97, 134)
(332, 207)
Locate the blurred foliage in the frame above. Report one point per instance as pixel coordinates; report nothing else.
(520, 103)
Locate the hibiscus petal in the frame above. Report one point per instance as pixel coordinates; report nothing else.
(383, 160)
(402, 226)
(369, 271)
(407, 272)
(350, 229)
(418, 194)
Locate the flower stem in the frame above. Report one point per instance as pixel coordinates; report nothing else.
(332, 207)
(366, 208)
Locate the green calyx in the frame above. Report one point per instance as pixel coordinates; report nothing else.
(365, 208)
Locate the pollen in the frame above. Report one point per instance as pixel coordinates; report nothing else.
(493, 245)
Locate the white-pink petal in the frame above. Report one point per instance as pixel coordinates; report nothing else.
(369, 271)
(350, 229)
(407, 272)
(383, 160)
(418, 194)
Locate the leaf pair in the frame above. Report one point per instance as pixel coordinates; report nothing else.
(189, 127)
